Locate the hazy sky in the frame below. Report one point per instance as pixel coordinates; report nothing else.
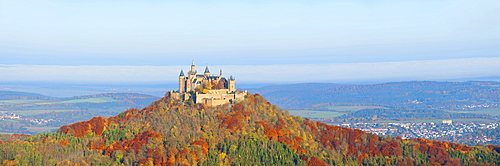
(257, 41)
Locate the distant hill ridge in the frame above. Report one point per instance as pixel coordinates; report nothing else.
(16, 94)
(251, 132)
(5, 95)
(417, 94)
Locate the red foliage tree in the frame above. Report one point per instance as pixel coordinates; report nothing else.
(80, 129)
(271, 132)
(97, 144)
(135, 144)
(314, 161)
(64, 143)
(234, 120)
(203, 143)
(372, 145)
(391, 148)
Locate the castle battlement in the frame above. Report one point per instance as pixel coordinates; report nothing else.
(206, 88)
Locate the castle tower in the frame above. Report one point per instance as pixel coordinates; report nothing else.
(231, 84)
(193, 70)
(191, 77)
(207, 72)
(182, 82)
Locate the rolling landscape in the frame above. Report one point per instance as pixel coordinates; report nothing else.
(31, 113)
(469, 105)
(237, 83)
(415, 109)
(171, 132)
(397, 101)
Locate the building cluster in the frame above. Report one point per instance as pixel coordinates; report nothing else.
(4, 115)
(8, 115)
(470, 107)
(207, 88)
(425, 130)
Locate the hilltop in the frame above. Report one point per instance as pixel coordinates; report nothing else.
(250, 132)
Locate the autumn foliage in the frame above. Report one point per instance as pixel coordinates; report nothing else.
(314, 161)
(233, 121)
(95, 125)
(250, 132)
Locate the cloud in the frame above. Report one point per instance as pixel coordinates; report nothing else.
(468, 68)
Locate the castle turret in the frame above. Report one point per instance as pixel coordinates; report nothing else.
(182, 82)
(207, 72)
(231, 84)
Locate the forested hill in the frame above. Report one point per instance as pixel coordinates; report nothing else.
(252, 132)
(415, 94)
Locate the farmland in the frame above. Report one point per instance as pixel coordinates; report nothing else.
(351, 108)
(34, 113)
(314, 114)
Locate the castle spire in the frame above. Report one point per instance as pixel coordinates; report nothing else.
(207, 70)
(193, 69)
(220, 72)
(182, 73)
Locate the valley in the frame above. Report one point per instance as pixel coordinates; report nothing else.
(31, 113)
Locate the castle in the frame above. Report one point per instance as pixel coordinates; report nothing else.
(205, 88)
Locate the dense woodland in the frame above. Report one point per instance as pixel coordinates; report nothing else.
(252, 132)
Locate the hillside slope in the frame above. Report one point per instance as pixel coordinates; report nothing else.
(252, 132)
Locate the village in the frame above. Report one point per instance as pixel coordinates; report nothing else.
(434, 131)
(5, 115)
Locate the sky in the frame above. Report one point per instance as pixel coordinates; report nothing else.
(256, 41)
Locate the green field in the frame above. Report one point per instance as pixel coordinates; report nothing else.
(314, 114)
(10, 102)
(43, 102)
(35, 107)
(89, 100)
(489, 111)
(36, 112)
(351, 108)
(41, 129)
(8, 120)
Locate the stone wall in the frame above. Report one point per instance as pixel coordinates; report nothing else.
(213, 98)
